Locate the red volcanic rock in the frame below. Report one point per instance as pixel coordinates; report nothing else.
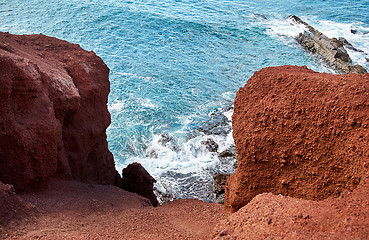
(136, 179)
(270, 216)
(300, 134)
(12, 207)
(53, 112)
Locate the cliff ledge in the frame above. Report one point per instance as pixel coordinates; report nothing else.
(53, 113)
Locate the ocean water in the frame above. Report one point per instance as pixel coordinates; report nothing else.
(174, 63)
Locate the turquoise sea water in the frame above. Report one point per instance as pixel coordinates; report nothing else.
(175, 62)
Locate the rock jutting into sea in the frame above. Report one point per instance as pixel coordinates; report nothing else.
(331, 50)
(53, 113)
(219, 124)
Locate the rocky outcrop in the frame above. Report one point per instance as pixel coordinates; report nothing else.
(332, 51)
(219, 124)
(53, 112)
(210, 145)
(12, 207)
(299, 133)
(136, 179)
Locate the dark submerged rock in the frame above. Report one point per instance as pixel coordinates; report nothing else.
(226, 153)
(230, 152)
(169, 141)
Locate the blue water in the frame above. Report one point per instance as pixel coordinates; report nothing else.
(175, 62)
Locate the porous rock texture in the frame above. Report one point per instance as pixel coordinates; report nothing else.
(302, 142)
(270, 216)
(13, 208)
(53, 112)
(299, 133)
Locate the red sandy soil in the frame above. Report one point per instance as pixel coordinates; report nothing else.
(270, 216)
(73, 210)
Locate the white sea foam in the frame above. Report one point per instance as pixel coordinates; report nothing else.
(121, 105)
(360, 39)
(284, 28)
(229, 114)
(117, 105)
(184, 158)
(147, 103)
(135, 76)
(180, 164)
(228, 96)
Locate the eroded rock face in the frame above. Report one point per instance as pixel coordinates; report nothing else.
(299, 133)
(53, 112)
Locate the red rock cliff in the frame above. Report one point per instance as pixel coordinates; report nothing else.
(53, 112)
(299, 133)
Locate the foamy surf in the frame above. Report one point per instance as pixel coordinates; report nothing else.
(174, 62)
(184, 164)
(356, 34)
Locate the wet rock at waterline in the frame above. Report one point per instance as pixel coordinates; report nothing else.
(219, 124)
(163, 196)
(169, 141)
(210, 145)
(331, 50)
(350, 47)
(192, 159)
(229, 152)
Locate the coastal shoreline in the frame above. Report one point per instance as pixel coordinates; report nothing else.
(90, 210)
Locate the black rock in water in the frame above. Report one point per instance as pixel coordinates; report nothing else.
(210, 145)
(217, 125)
(169, 141)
